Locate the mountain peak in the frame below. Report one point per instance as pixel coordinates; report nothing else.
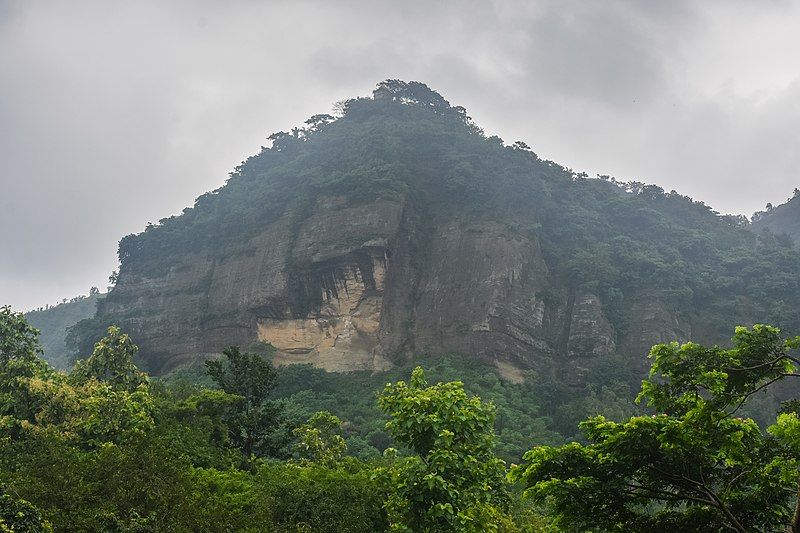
(399, 228)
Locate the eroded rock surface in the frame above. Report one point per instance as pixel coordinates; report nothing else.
(361, 287)
(341, 335)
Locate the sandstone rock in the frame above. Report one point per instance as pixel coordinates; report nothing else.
(361, 287)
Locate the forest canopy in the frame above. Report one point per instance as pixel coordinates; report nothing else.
(104, 447)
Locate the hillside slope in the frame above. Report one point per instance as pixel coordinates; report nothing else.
(400, 229)
(783, 219)
(53, 323)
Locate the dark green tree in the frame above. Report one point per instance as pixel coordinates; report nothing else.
(693, 466)
(256, 424)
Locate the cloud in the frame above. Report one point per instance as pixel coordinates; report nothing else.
(114, 114)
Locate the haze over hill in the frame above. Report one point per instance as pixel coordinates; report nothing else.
(54, 321)
(401, 229)
(781, 219)
(112, 117)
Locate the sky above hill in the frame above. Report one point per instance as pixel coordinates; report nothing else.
(114, 114)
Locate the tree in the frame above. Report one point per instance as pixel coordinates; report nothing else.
(454, 482)
(319, 440)
(692, 466)
(319, 121)
(18, 339)
(105, 399)
(112, 361)
(282, 140)
(19, 363)
(255, 422)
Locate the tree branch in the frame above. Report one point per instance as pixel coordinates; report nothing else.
(762, 387)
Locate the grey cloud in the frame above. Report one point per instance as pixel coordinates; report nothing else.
(116, 114)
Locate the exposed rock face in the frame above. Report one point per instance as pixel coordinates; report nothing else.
(401, 229)
(590, 335)
(361, 287)
(653, 324)
(341, 335)
(315, 292)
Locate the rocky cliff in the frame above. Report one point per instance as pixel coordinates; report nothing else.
(344, 291)
(401, 229)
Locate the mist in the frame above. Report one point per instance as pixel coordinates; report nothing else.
(113, 115)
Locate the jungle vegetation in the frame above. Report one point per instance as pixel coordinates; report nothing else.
(104, 447)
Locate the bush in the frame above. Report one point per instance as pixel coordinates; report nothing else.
(315, 498)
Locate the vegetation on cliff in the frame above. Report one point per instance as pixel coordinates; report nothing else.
(624, 242)
(783, 220)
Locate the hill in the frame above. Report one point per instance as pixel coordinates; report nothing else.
(53, 322)
(781, 220)
(400, 228)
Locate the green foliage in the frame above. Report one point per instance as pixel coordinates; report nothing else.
(81, 408)
(104, 450)
(454, 482)
(83, 335)
(107, 449)
(18, 339)
(248, 375)
(319, 440)
(316, 498)
(19, 363)
(19, 515)
(693, 465)
(256, 425)
(112, 362)
(519, 421)
(223, 501)
(53, 323)
(759, 358)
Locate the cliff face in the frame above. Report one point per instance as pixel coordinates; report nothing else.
(401, 229)
(358, 288)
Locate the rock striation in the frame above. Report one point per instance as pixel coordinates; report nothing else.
(401, 229)
(348, 290)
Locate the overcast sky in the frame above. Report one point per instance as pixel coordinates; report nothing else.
(113, 114)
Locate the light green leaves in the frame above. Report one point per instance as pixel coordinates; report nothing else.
(319, 440)
(455, 482)
(112, 362)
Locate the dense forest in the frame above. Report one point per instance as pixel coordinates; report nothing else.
(104, 447)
